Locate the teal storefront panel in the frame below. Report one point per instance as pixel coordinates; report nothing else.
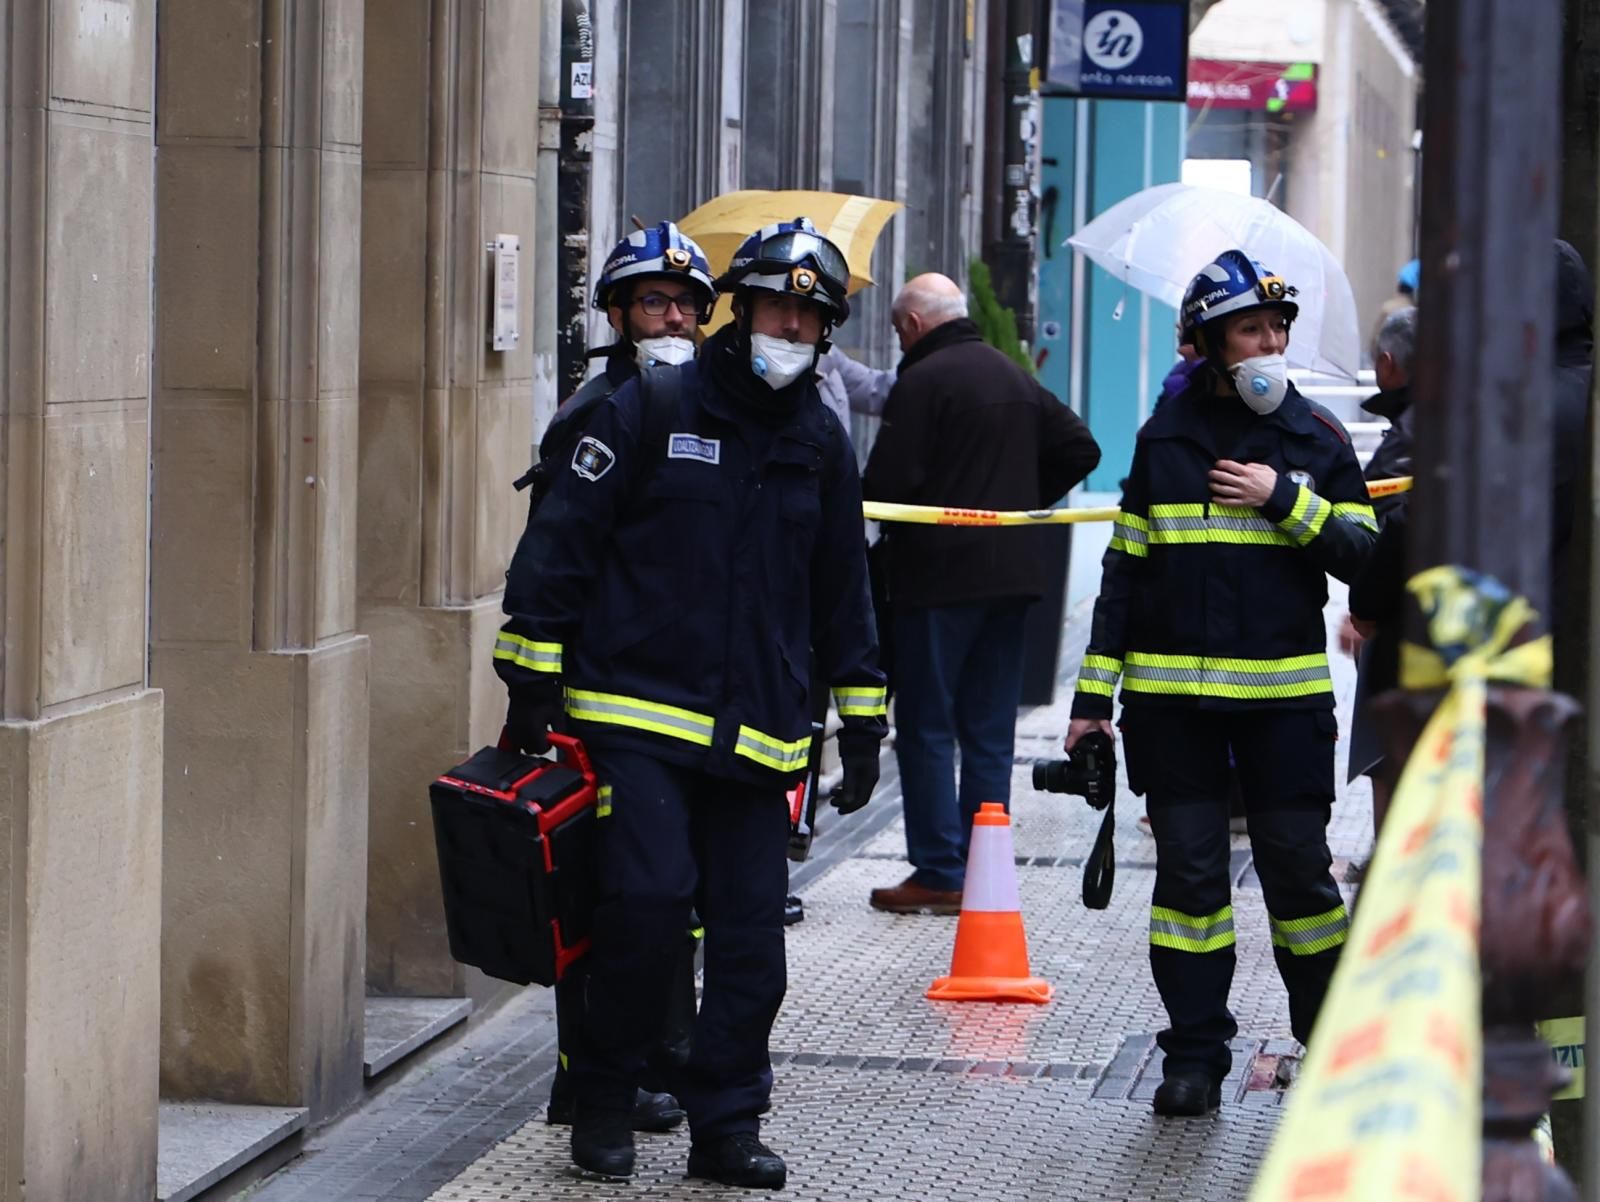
(1110, 352)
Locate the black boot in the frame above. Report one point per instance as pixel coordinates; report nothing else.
(737, 1159)
(602, 1142)
(794, 910)
(652, 1112)
(1187, 1095)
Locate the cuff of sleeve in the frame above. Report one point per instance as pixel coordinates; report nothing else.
(1281, 503)
(528, 653)
(1092, 706)
(540, 691)
(855, 741)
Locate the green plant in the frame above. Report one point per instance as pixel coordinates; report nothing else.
(996, 322)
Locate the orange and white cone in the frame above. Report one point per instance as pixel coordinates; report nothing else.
(990, 963)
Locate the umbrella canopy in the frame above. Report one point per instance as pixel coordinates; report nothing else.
(852, 223)
(1159, 239)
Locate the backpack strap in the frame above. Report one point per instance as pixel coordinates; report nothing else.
(661, 388)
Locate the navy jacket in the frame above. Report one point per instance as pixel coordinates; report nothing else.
(1221, 606)
(678, 590)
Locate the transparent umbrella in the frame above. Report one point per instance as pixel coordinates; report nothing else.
(1159, 239)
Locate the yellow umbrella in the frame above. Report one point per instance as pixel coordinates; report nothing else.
(852, 223)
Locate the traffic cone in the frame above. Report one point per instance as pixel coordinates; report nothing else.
(990, 963)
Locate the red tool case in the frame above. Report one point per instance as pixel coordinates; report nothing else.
(515, 837)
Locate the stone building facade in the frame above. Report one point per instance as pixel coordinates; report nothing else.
(256, 451)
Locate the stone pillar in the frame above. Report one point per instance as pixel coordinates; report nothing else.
(451, 128)
(258, 209)
(80, 731)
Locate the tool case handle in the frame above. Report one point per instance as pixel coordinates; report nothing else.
(569, 750)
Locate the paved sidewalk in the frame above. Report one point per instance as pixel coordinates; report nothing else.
(881, 1094)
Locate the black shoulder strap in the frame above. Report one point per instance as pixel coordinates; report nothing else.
(661, 388)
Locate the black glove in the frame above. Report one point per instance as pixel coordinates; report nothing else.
(859, 755)
(533, 711)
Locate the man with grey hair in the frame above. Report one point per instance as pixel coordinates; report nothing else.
(1392, 353)
(963, 427)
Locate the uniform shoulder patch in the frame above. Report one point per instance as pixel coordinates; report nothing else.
(592, 458)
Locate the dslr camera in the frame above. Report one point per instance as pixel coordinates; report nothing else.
(1090, 771)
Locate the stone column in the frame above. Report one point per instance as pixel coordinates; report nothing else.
(258, 209)
(80, 731)
(451, 125)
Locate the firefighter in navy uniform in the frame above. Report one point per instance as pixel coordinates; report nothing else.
(667, 595)
(655, 289)
(1242, 496)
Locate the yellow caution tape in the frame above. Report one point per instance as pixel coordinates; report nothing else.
(934, 515)
(1389, 1104)
(1566, 1039)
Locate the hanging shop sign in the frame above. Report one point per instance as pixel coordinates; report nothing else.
(1118, 49)
(1263, 87)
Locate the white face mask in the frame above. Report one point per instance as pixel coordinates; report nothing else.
(778, 361)
(668, 350)
(1262, 382)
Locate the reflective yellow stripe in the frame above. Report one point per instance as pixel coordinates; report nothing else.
(1190, 932)
(697, 932)
(862, 702)
(1356, 514)
(1191, 524)
(602, 805)
(1098, 675)
(1131, 535)
(1227, 677)
(773, 753)
(1306, 519)
(617, 710)
(525, 653)
(1308, 936)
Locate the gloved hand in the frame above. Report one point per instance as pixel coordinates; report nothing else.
(534, 709)
(859, 756)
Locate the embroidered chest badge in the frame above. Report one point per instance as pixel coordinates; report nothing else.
(690, 446)
(592, 458)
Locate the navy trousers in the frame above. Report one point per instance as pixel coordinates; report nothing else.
(677, 840)
(1179, 758)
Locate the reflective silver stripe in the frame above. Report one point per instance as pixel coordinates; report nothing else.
(1313, 514)
(779, 756)
(616, 710)
(1308, 936)
(1182, 932)
(1218, 676)
(1106, 675)
(861, 702)
(538, 657)
(1356, 514)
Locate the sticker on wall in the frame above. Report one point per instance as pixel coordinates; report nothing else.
(583, 81)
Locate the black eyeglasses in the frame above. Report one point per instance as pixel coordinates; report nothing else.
(654, 304)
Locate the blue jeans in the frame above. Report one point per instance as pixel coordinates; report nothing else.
(958, 682)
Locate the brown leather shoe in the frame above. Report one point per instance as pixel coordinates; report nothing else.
(908, 897)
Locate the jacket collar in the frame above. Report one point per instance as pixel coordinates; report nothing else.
(1182, 415)
(1389, 404)
(730, 392)
(962, 329)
